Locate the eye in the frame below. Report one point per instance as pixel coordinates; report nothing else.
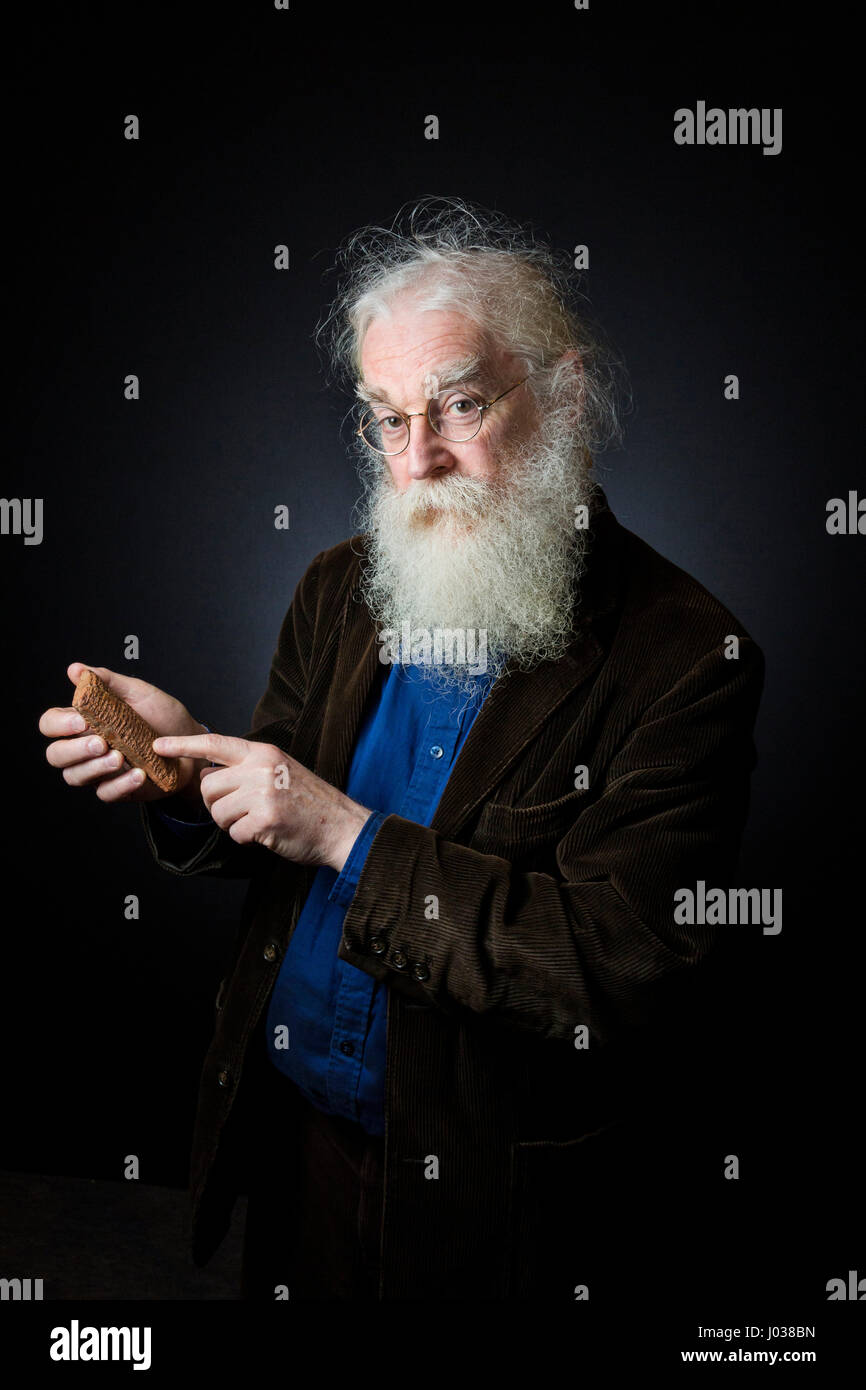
(459, 406)
(387, 421)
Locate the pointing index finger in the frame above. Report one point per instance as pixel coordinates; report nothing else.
(219, 748)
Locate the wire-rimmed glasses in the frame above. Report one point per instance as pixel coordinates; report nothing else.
(455, 413)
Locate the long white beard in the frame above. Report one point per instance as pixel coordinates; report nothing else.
(502, 558)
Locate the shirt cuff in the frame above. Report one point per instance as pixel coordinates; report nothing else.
(184, 827)
(343, 890)
(187, 828)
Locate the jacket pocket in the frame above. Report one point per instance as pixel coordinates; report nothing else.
(527, 833)
(565, 1212)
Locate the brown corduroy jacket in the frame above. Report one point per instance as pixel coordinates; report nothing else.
(555, 910)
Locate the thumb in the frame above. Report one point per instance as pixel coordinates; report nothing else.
(118, 683)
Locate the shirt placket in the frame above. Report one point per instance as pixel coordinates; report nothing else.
(355, 993)
(432, 765)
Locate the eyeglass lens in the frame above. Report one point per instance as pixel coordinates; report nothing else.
(453, 413)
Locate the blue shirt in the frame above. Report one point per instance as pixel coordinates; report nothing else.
(332, 1015)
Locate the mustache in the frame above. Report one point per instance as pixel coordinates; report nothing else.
(458, 495)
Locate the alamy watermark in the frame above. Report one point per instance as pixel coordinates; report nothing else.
(21, 1290)
(438, 646)
(736, 126)
(76, 1343)
(22, 516)
(736, 907)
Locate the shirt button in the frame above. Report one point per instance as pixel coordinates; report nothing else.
(347, 1049)
(436, 751)
(270, 951)
(224, 1078)
(378, 945)
(399, 960)
(420, 971)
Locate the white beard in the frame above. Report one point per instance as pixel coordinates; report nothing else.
(462, 553)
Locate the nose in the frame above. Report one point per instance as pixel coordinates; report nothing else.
(427, 452)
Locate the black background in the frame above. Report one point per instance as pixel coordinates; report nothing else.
(156, 257)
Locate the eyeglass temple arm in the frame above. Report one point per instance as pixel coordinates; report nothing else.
(488, 404)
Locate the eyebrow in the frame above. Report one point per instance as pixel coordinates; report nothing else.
(473, 368)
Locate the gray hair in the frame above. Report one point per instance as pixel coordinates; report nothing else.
(508, 280)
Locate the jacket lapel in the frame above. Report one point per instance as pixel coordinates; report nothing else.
(516, 707)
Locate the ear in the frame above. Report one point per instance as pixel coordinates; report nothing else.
(574, 357)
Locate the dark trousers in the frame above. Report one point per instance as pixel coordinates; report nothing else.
(314, 1213)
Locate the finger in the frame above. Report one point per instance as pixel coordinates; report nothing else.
(83, 774)
(118, 683)
(226, 777)
(225, 810)
(219, 748)
(68, 751)
(118, 788)
(61, 720)
(212, 790)
(241, 832)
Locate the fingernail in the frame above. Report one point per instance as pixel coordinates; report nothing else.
(76, 722)
(95, 745)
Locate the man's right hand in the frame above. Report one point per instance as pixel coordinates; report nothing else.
(106, 769)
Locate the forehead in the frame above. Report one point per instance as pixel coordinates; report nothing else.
(402, 354)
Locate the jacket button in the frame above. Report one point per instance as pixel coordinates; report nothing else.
(378, 945)
(420, 971)
(270, 951)
(399, 960)
(224, 1078)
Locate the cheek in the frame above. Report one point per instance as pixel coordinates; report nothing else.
(397, 472)
(479, 459)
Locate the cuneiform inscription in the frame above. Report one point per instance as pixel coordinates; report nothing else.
(124, 729)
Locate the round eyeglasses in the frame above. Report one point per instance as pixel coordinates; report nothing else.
(455, 413)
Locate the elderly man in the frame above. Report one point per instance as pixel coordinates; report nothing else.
(500, 732)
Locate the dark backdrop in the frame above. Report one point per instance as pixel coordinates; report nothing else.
(156, 257)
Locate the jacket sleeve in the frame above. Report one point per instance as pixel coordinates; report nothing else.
(594, 943)
(274, 720)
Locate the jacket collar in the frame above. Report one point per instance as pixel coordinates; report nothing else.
(518, 704)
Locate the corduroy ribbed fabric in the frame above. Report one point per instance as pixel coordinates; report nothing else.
(554, 908)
